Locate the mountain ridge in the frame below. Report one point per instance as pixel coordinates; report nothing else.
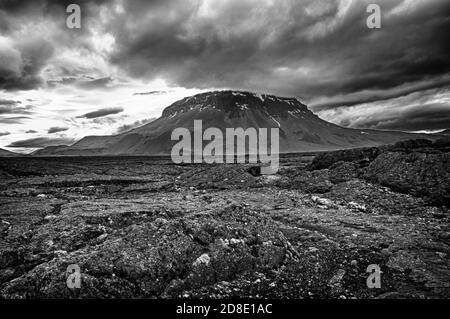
(6, 153)
(300, 129)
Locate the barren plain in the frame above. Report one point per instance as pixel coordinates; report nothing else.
(143, 227)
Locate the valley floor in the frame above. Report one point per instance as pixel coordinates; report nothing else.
(143, 227)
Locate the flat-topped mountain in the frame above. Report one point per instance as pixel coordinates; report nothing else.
(300, 130)
(234, 103)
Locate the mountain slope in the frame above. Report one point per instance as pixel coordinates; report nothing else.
(300, 130)
(5, 153)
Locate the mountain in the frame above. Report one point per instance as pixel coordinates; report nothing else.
(5, 153)
(300, 130)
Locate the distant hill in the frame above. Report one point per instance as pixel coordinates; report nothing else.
(5, 153)
(300, 129)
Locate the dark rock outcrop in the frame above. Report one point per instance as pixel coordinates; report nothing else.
(418, 167)
(147, 255)
(420, 174)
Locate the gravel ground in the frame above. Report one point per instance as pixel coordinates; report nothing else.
(145, 228)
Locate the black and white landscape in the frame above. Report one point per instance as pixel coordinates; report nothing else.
(93, 205)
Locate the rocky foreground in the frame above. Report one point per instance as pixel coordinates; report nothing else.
(143, 227)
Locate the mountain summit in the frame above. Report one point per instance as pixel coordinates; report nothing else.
(300, 130)
(235, 103)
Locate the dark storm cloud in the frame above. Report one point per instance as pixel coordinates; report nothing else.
(9, 102)
(317, 50)
(95, 84)
(4, 133)
(21, 63)
(13, 119)
(14, 107)
(84, 82)
(23, 56)
(304, 48)
(152, 93)
(39, 142)
(30, 132)
(62, 81)
(102, 112)
(48, 8)
(422, 117)
(127, 127)
(420, 110)
(258, 46)
(105, 121)
(57, 129)
(382, 95)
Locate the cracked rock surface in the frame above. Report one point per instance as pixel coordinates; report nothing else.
(145, 228)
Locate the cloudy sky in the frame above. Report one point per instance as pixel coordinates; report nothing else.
(130, 59)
